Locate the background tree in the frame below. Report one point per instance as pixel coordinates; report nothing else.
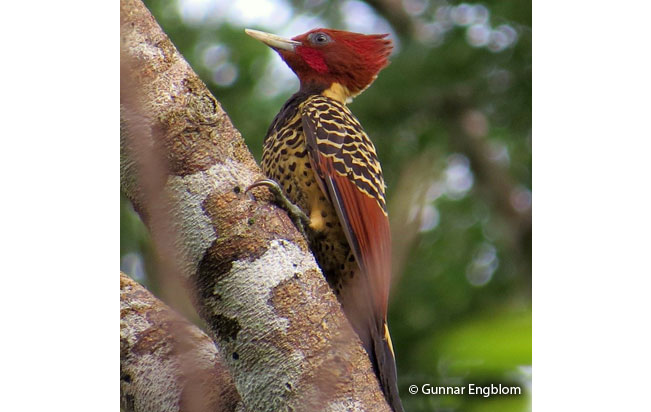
(451, 120)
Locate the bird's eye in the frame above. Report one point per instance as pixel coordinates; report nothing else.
(319, 38)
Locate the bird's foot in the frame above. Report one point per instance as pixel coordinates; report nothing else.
(299, 218)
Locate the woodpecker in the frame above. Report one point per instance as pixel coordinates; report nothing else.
(324, 167)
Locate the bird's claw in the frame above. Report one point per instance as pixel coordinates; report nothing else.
(299, 218)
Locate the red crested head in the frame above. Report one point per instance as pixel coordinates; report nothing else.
(324, 57)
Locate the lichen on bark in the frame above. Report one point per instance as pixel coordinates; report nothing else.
(286, 342)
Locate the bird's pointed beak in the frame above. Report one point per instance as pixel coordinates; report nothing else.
(273, 41)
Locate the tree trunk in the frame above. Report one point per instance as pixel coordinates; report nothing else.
(280, 329)
(166, 363)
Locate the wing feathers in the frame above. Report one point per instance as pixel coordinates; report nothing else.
(367, 229)
(349, 174)
(355, 188)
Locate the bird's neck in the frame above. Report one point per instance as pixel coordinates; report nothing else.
(335, 91)
(338, 92)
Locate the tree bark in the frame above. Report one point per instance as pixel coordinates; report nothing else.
(282, 333)
(166, 363)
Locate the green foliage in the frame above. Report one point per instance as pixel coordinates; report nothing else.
(461, 311)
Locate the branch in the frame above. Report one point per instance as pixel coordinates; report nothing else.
(495, 184)
(395, 13)
(166, 363)
(285, 339)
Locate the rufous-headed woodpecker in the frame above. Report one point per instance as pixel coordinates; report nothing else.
(325, 164)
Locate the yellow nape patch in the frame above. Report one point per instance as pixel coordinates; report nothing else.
(338, 92)
(317, 222)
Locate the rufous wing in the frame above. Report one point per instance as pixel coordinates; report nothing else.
(349, 173)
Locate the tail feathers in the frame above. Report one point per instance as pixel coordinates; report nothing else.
(384, 363)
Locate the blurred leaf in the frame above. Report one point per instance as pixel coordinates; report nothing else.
(487, 346)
